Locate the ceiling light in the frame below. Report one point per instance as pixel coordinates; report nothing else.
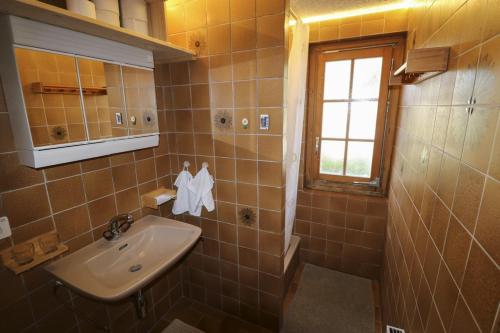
(361, 11)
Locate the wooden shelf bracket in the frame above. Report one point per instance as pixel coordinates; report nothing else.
(420, 65)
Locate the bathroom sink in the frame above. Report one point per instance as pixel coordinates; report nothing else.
(111, 270)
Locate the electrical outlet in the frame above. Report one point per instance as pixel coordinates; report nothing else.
(4, 227)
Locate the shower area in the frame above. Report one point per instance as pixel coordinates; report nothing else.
(295, 109)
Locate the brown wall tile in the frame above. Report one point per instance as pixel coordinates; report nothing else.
(468, 196)
(31, 230)
(66, 193)
(124, 176)
(127, 201)
(97, 184)
(72, 222)
(14, 205)
(487, 224)
(243, 35)
(244, 65)
(242, 9)
(270, 31)
(101, 210)
(480, 287)
(14, 175)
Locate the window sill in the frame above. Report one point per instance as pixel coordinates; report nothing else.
(347, 188)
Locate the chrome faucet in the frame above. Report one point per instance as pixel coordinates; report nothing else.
(117, 225)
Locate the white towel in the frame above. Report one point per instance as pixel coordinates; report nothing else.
(201, 192)
(181, 203)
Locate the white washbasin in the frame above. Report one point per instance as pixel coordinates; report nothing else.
(108, 270)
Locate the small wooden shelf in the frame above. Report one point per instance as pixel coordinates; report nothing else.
(39, 258)
(420, 65)
(41, 88)
(38, 11)
(157, 197)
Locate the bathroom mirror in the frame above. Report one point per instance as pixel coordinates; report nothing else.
(67, 99)
(140, 100)
(103, 100)
(52, 97)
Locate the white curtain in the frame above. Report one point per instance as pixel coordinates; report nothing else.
(296, 94)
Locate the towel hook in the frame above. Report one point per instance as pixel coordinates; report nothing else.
(186, 165)
(204, 164)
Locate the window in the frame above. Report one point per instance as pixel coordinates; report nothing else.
(348, 113)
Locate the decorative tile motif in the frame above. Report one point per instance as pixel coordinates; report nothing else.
(223, 120)
(247, 216)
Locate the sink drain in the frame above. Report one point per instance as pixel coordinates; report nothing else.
(135, 268)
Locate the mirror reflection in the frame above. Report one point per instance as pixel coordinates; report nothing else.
(103, 99)
(51, 94)
(140, 100)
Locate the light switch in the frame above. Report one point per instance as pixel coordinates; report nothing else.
(264, 121)
(4, 227)
(118, 118)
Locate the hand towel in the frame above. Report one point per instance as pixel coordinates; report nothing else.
(181, 203)
(201, 192)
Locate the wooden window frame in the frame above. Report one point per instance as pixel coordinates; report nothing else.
(386, 117)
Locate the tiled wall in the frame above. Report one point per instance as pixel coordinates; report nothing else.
(358, 26)
(342, 232)
(441, 259)
(76, 199)
(239, 74)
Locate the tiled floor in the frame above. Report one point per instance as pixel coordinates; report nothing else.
(207, 319)
(294, 285)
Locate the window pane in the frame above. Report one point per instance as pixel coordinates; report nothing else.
(334, 120)
(366, 78)
(337, 79)
(363, 120)
(332, 157)
(359, 159)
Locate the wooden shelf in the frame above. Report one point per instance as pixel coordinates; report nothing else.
(39, 258)
(38, 11)
(421, 64)
(40, 88)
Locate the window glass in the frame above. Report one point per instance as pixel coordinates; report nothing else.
(363, 120)
(337, 79)
(332, 157)
(359, 159)
(366, 78)
(334, 121)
